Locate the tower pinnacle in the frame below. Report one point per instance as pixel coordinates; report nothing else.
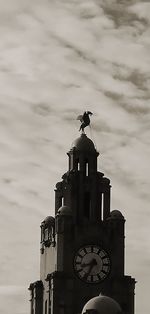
(82, 247)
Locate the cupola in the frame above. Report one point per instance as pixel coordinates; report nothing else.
(83, 155)
(102, 305)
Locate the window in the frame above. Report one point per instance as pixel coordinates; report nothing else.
(46, 307)
(87, 204)
(46, 234)
(63, 201)
(87, 169)
(102, 207)
(62, 309)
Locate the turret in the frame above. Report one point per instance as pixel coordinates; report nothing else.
(83, 188)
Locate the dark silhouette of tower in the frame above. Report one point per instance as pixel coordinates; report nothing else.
(82, 248)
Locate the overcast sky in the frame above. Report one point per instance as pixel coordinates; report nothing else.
(57, 59)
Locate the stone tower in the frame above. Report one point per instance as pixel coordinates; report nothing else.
(82, 248)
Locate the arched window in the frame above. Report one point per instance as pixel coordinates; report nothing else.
(102, 207)
(46, 234)
(87, 204)
(63, 201)
(87, 169)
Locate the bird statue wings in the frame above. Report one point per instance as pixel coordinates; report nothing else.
(84, 119)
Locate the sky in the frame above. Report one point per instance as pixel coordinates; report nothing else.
(59, 58)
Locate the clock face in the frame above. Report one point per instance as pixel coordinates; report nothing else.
(92, 264)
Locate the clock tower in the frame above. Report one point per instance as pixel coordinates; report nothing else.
(82, 247)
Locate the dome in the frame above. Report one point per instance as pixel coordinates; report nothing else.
(116, 214)
(102, 305)
(65, 211)
(49, 221)
(83, 143)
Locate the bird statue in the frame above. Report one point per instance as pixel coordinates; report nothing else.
(84, 119)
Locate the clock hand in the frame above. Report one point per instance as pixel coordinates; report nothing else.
(91, 264)
(86, 264)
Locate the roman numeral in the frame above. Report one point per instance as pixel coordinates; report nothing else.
(91, 278)
(104, 272)
(99, 277)
(84, 249)
(103, 257)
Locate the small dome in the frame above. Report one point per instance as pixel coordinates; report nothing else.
(83, 143)
(116, 214)
(49, 221)
(102, 305)
(64, 211)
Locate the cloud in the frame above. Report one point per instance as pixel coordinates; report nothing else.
(13, 296)
(59, 58)
(141, 10)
